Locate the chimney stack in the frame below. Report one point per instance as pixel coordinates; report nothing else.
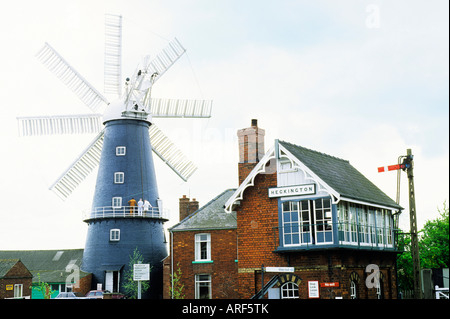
(187, 206)
(251, 148)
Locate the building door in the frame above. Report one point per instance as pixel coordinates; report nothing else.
(112, 280)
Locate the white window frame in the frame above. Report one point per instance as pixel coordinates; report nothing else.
(353, 286)
(121, 150)
(202, 282)
(381, 237)
(114, 234)
(289, 290)
(325, 223)
(116, 202)
(373, 234)
(18, 290)
(296, 219)
(365, 220)
(119, 177)
(347, 221)
(300, 226)
(389, 228)
(292, 223)
(285, 167)
(200, 240)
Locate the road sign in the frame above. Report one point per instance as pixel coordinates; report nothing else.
(279, 269)
(329, 284)
(141, 272)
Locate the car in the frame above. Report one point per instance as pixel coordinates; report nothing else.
(69, 295)
(96, 294)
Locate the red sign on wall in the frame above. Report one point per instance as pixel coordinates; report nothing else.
(329, 284)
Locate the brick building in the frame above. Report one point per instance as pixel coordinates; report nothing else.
(203, 247)
(15, 279)
(306, 225)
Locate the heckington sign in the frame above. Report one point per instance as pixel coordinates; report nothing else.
(305, 189)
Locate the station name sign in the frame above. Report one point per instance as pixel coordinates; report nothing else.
(305, 189)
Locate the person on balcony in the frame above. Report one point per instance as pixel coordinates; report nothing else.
(132, 203)
(140, 207)
(147, 206)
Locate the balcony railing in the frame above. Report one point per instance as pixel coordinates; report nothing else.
(124, 212)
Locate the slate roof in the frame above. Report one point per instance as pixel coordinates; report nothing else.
(340, 175)
(50, 264)
(209, 216)
(6, 265)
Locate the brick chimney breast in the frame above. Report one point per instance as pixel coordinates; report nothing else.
(187, 207)
(251, 148)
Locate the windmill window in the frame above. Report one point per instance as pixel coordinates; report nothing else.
(121, 150)
(117, 202)
(119, 177)
(114, 235)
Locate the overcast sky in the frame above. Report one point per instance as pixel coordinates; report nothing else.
(360, 80)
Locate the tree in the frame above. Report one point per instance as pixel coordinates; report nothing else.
(176, 287)
(404, 263)
(130, 286)
(433, 242)
(433, 249)
(44, 288)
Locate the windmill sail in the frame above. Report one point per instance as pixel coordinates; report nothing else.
(171, 108)
(82, 88)
(60, 124)
(138, 94)
(79, 169)
(113, 54)
(170, 154)
(164, 60)
(144, 77)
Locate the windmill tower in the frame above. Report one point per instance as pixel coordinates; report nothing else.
(122, 149)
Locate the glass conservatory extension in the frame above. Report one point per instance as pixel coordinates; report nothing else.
(317, 223)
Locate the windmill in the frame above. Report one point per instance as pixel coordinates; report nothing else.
(126, 137)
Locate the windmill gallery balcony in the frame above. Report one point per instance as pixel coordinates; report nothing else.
(124, 212)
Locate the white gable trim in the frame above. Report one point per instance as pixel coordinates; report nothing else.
(276, 152)
(250, 179)
(309, 174)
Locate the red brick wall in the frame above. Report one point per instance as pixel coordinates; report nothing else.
(223, 269)
(84, 285)
(257, 220)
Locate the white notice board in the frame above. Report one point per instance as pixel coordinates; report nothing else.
(141, 272)
(313, 289)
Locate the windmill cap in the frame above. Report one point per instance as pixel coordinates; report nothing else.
(116, 110)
